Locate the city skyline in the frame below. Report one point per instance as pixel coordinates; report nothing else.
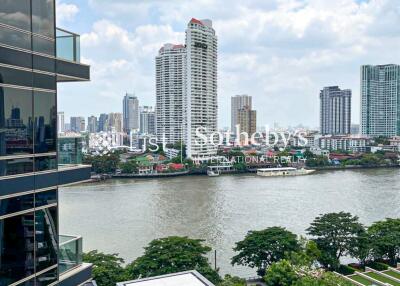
(277, 63)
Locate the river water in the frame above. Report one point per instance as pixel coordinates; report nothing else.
(123, 216)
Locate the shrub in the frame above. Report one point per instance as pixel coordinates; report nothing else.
(346, 270)
(377, 265)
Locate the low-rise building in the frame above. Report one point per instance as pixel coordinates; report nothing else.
(345, 143)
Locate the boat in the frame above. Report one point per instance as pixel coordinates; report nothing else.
(213, 172)
(285, 171)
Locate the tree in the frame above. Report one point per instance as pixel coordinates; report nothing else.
(361, 249)
(327, 279)
(107, 268)
(129, 167)
(385, 239)
(281, 273)
(262, 248)
(173, 254)
(232, 281)
(335, 234)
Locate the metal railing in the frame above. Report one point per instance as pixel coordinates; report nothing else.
(70, 252)
(68, 45)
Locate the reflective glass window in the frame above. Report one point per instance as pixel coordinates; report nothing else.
(16, 13)
(15, 77)
(16, 166)
(17, 248)
(42, 45)
(45, 122)
(15, 58)
(46, 234)
(44, 63)
(45, 198)
(43, 17)
(45, 163)
(44, 81)
(47, 278)
(15, 38)
(16, 204)
(16, 121)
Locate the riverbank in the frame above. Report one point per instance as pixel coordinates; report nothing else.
(351, 167)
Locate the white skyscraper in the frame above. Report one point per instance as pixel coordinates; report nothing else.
(200, 97)
(130, 107)
(170, 64)
(239, 102)
(147, 120)
(60, 122)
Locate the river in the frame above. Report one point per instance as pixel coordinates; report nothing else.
(123, 216)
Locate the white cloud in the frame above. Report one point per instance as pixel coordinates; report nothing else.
(65, 12)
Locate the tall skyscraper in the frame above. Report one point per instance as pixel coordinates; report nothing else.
(115, 122)
(239, 102)
(103, 123)
(335, 110)
(60, 122)
(247, 119)
(200, 97)
(170, 64)
(77, 124)
(130, 107)
(33, 58)
(380, 100)
(147, 120)
(92, 124)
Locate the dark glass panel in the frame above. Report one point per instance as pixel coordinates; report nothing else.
(15, 38)
(16, 13)
(47, 278)
(45, 198)
(44, 63)
(16, 204)
(45, 123)
(16, 121)
(45, 163)
(43, 17)
(42, 45)
(44, 81)
(15, 58)
(15, 77)
(46, 234)
(16, 166)
(17, 248)
(73, 69)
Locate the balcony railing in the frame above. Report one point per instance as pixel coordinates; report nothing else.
(70, 252)
(68, 45)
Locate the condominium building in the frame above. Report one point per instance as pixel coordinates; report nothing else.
(92, 124)
(239, 102)
(170, 64)
(77, 124)
(34, 56)
(200, 97)
(60, 122)
(335, 110)
(147, 120)
(380, 100)
(247, 120)
(115, 122)
(130, 107)
(103, 123)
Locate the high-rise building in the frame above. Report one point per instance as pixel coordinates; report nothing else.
(247, 119)
(60, 122)
(200, 94)
(92, 124)
(147, 120)
(335, 110)
(77, 124)
(130, 107)
(34, 56)
(103, 123)
(115, 122)
(170, 64)
(380, 100)
(239, 102)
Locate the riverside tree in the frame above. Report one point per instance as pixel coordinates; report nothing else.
(335, 235)
(173, 254)
(260, 249)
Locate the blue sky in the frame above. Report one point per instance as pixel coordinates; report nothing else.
(282, 52)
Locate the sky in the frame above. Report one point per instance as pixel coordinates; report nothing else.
(281, 52)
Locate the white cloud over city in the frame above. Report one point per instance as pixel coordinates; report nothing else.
(281, 52)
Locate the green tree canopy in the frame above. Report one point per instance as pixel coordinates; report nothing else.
(281, 273)
(385, 239)
(173, 254)
(232, 281)
(262, 248)
(129, 167)
(107, 268)
(335, 235)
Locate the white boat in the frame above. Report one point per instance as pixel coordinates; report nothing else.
(285, 171)
(213, 172)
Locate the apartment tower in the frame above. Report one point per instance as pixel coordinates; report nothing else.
(130, 107)
(239, 102)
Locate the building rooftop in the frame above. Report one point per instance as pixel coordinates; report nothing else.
(187, 278)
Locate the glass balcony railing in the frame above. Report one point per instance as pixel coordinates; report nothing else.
(70, 252)
(68, 45)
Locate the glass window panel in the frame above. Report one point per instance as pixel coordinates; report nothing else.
(16, 166)
(15, 77)
(44, 63)
(15, 38)
(16, 13)
(46, 234)
(42, 45)
(45, 198)
(17, 248)
(15, 58)
(43, 17)
(45, 163)
(44, 81)
(47, 278)
(16, 204)
(16, 121)
(45, 123)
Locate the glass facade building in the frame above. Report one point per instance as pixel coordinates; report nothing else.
(29, 173)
